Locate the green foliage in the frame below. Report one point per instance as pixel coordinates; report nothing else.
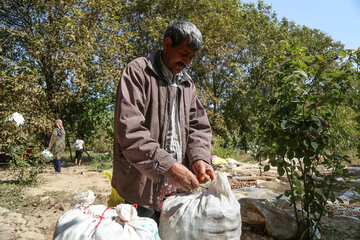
(333, 235)
(356, 56)
(220, 149)
(103, 139)
(262, 33)
(300, 127)
(61, 60)
(11, 195)
(25, 162)
(102, 161)
(25, 168)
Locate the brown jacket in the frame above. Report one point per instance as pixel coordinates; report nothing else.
(143, 107)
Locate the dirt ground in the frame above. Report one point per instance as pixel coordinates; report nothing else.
(34, 216)
(44, 204)
(47, 202)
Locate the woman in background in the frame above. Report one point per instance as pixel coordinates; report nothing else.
(57, 144)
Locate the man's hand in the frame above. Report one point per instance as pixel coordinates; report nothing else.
(203, 171)
(182, 177)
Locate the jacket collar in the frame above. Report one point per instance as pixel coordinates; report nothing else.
(154, 65)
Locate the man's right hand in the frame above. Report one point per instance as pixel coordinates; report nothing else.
(182, 177)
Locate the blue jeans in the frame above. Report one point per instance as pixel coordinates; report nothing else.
(57, 165)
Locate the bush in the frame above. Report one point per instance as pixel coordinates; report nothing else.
(221, 149)
(300, 129)
(102, 161)
(25, 165)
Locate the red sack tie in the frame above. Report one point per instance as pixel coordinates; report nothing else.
(165, 197)
(101, 218)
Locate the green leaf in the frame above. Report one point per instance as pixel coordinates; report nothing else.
(267, 168)
(280, 196)
(305, 144)
(281, 151)
(302, 73)
(283, 124)
(280, 171)
(314, 117)
(354, 201)
(287, 193)
(307, 160)
(307, 59)
(314, 145)
(343, 53)
(319, 57)
(292, 143)
(302, 64)
(313, 131)
(299, 154)
(297, 183)
(290, 154)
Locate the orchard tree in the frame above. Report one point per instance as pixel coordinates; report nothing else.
(61, 59)
(221, 25)
(300, 125)
(263, 32)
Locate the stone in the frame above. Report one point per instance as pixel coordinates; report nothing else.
(256, 193)
(346, 226)
(275, 185)
(273, 216)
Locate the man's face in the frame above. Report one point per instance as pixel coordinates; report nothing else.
(177, 58)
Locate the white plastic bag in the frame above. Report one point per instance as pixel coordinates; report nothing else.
(47, 155)
(211, 214)
(102, 223)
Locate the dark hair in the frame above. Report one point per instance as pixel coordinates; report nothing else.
(179, 31)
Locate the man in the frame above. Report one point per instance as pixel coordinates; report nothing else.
(161, 129)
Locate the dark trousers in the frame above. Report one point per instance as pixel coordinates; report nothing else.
(78, 154)
(146, 212)
(57, 165)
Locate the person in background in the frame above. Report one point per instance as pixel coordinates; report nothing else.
(79, 147)
(57, 144)
(161, 131)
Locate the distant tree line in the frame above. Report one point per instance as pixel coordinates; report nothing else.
(62, 59)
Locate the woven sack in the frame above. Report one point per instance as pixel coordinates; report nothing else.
(213, 213)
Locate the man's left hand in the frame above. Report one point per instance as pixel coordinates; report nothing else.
(203, 171)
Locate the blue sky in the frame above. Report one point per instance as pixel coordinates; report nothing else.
(340, 19)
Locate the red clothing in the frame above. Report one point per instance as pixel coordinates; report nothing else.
(27, 153)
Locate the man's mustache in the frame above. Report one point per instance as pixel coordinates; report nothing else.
(181, 64)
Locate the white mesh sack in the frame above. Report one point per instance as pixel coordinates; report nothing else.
(213, 213)
(102, 223)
